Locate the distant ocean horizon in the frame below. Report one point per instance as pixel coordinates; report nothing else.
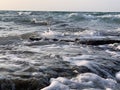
(58, 11)
(59, 50)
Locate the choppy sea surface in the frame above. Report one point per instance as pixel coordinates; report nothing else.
(59, 50)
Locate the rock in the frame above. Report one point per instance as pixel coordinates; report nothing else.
(87, 41)
(23, 84)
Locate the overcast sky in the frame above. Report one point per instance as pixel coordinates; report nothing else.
(61, 5)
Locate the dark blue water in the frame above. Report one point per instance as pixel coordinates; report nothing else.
(59, 50)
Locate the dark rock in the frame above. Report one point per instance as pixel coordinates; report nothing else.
(87, 41)
(82, 69)
(99, 42)
(23, 84)
(35, 39)
(54, 39)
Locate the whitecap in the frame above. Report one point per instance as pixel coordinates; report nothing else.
(118, 47)
(35, 21)
(24, 13)
(118, 76)
(72, 14)
(51, 34)
(113, 53)
(110, 16)
(86, 81)
(55, 85)
(87, 33)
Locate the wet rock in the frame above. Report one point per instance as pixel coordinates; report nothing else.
(23, 84)
(82, 69)
(98, 42)
(30, 84)
(64, 72)
(35, 39)
(87, 41)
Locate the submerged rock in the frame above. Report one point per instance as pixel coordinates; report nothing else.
(87, 41)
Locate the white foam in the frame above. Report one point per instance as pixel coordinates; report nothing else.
(86, 81)
(55, 85)
(93, 66)
(113, 53)
(79, 60)
(25, 48)
(87, 33)
(110, 16)
(72, 14)
(118, 29)
(51, 34)
(35, 21)
(89, 16)
(24, 13)
(118, 47)
(118, 76)
(115, 46)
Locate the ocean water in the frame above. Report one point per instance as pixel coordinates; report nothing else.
(59, 50)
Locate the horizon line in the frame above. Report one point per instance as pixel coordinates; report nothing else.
(55, 10)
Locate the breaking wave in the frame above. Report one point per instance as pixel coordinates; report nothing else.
(59, 50)
(86, 81)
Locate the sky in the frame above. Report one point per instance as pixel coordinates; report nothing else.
(61, 5)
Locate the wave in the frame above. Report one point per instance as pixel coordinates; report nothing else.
(110, 18)
(79, 54)
(87, 81)
(90, 66)
(103, 17)
(48, 18)
(26, 21)
(24, 13)
(36, 22)
(88, 37)
(76, 17)
(50, 33)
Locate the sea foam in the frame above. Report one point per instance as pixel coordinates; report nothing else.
(84, 81)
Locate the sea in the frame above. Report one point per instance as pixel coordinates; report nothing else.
(45, 50)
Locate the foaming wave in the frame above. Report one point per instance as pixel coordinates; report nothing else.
(76, 17)
(118, 29)
(118, 76)
(113, 53)
(54, 34)
(104, 17)
(51, 34)
(118, 47)
(110, 18)
(114, 47)
(73, 14)
(93, 66)
(81, 17)
(24, 13)
(86, 81)
(87, 33)
(35, 21)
